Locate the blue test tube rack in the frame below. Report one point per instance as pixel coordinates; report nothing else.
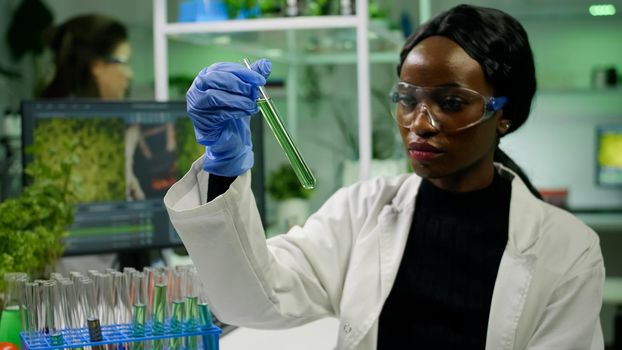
(121, 334)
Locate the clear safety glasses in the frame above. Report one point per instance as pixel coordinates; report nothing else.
(448, 108)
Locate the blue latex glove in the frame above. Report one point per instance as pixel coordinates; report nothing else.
(220, 102)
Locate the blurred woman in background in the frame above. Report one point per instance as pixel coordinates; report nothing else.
(91, 56)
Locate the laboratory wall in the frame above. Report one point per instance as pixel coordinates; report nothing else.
(557, 145)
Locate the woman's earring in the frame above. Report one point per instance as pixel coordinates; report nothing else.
(505, 125)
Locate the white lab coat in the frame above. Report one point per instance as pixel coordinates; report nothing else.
(343, 261)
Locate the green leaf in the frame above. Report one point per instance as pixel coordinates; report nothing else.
(283, 184)
(32, 225)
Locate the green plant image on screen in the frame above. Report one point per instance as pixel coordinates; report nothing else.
(188, 150)
(610, 147)
(610, 157)
(101, 174)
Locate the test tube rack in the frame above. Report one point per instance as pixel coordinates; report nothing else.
(122, 334)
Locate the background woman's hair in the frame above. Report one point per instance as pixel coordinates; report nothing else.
(499, 43)
(76, 44)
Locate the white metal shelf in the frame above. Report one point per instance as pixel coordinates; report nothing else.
(262, 24)
(162, 30)
(249, 37)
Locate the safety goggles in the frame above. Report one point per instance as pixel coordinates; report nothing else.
(449, 108)
(117, 60)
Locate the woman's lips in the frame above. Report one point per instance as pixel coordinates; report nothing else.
(423, 151)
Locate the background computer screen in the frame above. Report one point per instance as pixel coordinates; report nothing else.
(130, 154)
(609, 155)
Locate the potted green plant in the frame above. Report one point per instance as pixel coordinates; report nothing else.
(291, 197)
(244, 8)
(32, 225)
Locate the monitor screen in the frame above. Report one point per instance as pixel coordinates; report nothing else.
(130, 154)
(609, 155)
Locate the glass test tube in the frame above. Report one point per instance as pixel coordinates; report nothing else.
(210, 341)
(271, 115)
(191, 307)
(159, 313)
(138, 320)
(31, 302)
(177, 315)
(190, 291)
(138, 324)
(10, 324)
(175, 284)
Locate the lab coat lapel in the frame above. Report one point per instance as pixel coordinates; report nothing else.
(394, 222)
(393, 227)
(508, 300)
(515, 270)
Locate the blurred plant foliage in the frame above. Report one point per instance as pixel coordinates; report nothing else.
(234, 7)
(321, 7)
(318, 87)
(271, 8)
(100, 146)
(188, 150)
(32, 225)
(283, 184)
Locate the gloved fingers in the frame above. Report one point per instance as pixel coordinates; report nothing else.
(262, 66)
(225, 81)
(235, 134)
(206, 123)
(215, 100)
(247, 75)
(238, 124)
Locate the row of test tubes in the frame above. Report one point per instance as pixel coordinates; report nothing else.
(166, 300)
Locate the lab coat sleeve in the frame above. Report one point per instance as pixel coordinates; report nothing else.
(289, 280)
(571, 317)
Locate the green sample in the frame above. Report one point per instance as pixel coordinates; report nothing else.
(271, 115)
(159, 308)
(138, 319)
(192, 321)
(159, 314)
(57, 338)
(205, 316)
(10, 326)
(210, 341)
(138, 324)
(192, 313)
(177, 315)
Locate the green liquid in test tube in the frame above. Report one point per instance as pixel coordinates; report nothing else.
(159, 308)
(210, 341)
(192, 320)
(159, 314)
(177, 315)
(271, 115)
(138, 324)
(205, 316)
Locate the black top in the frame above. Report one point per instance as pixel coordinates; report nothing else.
(218, 185)
(443, 289)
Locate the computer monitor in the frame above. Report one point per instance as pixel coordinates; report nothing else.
(130, 155)
(609, 155)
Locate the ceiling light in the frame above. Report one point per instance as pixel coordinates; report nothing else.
(602, 10)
